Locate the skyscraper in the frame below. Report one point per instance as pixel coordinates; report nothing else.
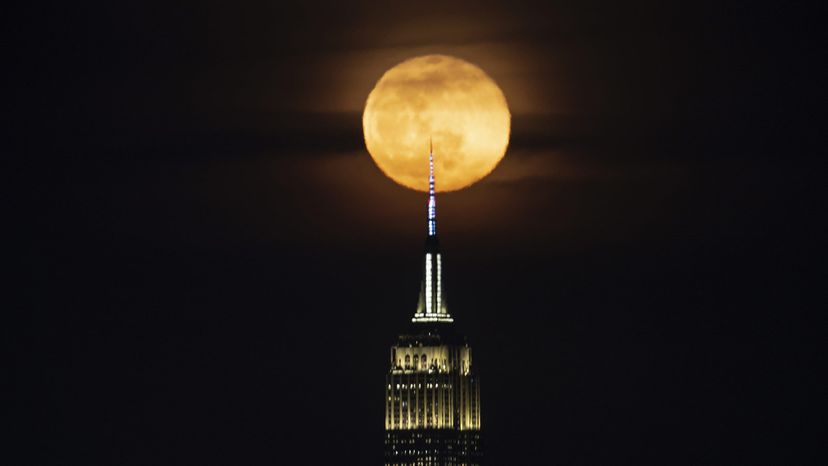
(432, 403)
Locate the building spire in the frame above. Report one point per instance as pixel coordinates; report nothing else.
(432, 303)
(432, 203)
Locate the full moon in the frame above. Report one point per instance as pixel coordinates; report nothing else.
(448, 100)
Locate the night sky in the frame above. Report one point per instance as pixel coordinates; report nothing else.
(212, 268)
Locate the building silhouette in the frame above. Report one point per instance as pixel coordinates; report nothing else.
(432, 403)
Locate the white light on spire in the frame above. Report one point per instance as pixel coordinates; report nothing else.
(428, 290)
(439, 286)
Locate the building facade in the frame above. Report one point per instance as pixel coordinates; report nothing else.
(432, 403)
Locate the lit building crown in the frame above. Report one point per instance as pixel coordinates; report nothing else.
(432, 393)
(431, 306)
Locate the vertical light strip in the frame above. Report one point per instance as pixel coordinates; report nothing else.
(428, 290)
(439, 287)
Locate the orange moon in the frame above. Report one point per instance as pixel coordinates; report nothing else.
(444, 98)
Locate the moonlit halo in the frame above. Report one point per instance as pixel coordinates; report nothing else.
(445, 99)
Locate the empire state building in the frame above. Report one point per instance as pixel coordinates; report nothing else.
(432, 396)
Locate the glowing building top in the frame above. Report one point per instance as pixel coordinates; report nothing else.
(431, 306)
(432, 392)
